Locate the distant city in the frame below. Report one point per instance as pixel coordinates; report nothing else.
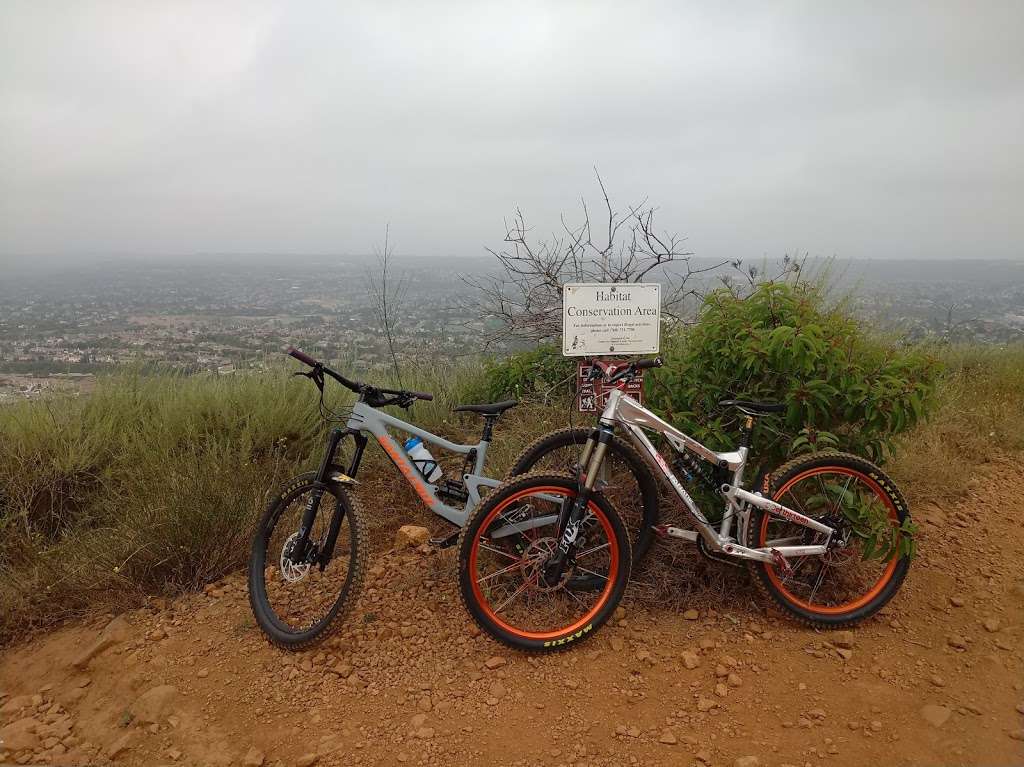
(224, 315)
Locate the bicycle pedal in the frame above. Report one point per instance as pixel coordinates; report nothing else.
(781, 563)
(445, 542)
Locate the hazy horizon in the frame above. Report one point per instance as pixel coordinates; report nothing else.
(268, 130)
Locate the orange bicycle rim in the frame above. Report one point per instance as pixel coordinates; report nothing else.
(880, 584)
(613, 569)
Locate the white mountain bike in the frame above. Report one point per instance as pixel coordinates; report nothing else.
(827, 535)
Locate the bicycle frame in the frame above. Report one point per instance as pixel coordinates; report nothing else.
(365, 419)
(623, 410)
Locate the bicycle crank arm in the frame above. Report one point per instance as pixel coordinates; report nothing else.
(676, 532)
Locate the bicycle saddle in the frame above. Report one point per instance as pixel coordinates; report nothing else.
(754, 407)
(491, 408)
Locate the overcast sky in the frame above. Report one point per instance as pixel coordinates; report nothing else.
(868, 129)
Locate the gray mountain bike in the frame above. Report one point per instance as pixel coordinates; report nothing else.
(308, 555)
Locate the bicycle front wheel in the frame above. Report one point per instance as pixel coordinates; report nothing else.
(863, 569)
(505, 546)
(298, 599)
(626, 480)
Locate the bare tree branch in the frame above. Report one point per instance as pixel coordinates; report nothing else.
(526, 295)
(388, 296)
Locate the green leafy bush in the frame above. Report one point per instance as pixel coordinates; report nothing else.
(842, 386)
(542, 371)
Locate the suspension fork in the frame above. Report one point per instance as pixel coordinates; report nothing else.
(588, 450)
(339, 510)
(570, 517)
(299, 551)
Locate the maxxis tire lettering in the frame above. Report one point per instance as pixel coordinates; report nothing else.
(555, 643)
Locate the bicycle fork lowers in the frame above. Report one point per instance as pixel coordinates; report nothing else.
(302, 551)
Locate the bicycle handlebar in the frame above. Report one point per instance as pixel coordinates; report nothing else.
(301, 356)
(407, 393)
(359, 388)
(600, 371)
(421, 395)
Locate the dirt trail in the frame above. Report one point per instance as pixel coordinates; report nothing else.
(937, 679)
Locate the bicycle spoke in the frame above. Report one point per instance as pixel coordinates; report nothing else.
(504, 570)
(508, 601)
(845, 488)
(590, 551)
(799, 505)
(591, 572)
(485, 547)
(821, 576)
(570, 593)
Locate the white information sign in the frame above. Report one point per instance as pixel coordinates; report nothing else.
(605, 318)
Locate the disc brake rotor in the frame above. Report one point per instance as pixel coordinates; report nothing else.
(534, 558)
(292, 571)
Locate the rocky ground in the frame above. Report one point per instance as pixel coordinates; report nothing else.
(936, 679)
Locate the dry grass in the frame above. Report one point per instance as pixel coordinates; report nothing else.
(152, 485)
(980, 411)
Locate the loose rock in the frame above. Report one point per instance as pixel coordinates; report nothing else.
(935, 715)
(117, 631)
(409, 536)
(154, 706)
(842, 639)
(690, 659)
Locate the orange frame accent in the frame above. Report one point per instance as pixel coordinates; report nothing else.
(417, 482)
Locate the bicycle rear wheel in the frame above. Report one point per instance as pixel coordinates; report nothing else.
(502, 553)
(848, 583)
(297, 601)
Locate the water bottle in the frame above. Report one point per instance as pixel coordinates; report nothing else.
(422, 459)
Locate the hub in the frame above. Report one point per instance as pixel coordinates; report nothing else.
(534, 565)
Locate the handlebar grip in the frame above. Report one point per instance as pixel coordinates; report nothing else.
(657, 362)
(301, 356)
(422, 395)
